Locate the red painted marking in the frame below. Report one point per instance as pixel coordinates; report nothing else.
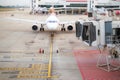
(86, 61)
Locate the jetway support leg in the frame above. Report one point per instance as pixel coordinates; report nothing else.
(104, 62)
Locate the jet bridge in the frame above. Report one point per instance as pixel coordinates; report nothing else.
(101, 32)
(96, 32)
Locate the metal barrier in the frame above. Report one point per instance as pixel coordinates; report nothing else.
(106, 57)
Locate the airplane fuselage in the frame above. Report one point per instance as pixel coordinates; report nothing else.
(52, 22)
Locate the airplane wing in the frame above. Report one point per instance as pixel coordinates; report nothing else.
(24, 20)
(64, 24)
(36, 21)
(67, 22)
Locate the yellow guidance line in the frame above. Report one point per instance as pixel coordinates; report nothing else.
(50, 59)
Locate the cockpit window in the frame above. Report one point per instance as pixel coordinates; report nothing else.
(52, 21)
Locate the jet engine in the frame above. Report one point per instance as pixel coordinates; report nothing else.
(34, 27)
(70, 27)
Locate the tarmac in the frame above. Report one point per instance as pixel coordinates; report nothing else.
(20, 55)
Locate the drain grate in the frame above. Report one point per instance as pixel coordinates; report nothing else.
(14, 76)
(15, 72)
(29, 53)
(4, 51)
(62, 38)
(71, 42)
(6, 57)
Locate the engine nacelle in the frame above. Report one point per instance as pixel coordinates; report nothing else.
(69, 27)
(34, 27)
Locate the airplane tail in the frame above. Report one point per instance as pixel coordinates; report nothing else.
(51, 10)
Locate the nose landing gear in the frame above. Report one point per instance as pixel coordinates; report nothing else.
(41, 29)
(52, 34)
(63, 29)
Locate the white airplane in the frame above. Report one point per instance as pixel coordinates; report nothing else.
(52, 23)
(40, 10)
(21, 9)
(101, 11)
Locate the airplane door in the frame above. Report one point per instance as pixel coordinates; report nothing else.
(108, 31)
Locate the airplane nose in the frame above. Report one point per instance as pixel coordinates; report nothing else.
(52, 26)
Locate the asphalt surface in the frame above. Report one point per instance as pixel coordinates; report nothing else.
(20, 56)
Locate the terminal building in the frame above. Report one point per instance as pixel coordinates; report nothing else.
(76, 6)
(72, 6)
(59, 3)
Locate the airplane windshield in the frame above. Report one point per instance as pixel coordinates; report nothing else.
(52, 21)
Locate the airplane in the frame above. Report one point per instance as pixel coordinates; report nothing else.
(52, 22)
(40, 10)
(45, 10)
(101, 11)
(21, 9)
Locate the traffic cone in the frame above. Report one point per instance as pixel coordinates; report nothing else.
(43, 51)
(40, 50)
